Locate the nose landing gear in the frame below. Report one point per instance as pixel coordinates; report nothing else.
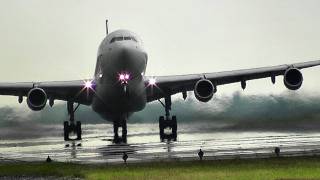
(167, 122)
(71, 126)
(123, 124)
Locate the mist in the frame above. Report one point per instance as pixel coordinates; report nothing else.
(289, 111)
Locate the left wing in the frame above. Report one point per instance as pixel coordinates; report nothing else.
(75, 91)
(169, 85)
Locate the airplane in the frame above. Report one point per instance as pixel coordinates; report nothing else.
(120, 87)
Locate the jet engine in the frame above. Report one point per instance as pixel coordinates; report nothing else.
(293, 78)
(204, 90)
(37, 99)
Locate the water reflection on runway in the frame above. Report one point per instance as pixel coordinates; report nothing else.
(144, 145)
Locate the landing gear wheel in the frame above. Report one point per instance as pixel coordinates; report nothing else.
(124, 131)
(168, 123)
(174, 127)
(78, 130)
(123, 124)
(72, 128)
(161, 128)
(66, 130)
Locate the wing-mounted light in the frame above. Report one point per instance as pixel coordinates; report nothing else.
(89, 87)
(88, 84)
(152, 81)
(151, 84)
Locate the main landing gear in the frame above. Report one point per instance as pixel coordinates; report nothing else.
(71, 126)
(167, 122)
(123, 124)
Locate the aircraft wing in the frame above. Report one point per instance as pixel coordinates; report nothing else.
(61, 90)
(169, 85)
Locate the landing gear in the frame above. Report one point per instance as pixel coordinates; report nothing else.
(71, 126)
(171, 124)
(167, 122)
(123, 124)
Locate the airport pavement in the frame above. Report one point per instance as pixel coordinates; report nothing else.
(144, 145)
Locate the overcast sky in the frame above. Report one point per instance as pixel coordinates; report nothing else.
(44, 40)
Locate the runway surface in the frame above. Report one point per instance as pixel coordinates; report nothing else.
(144, 144)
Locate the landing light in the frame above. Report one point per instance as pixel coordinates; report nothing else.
(88, 84)
(152, 81)
(124, 78)
(121, 77)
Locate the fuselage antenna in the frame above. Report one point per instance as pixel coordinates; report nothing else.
(107, 30)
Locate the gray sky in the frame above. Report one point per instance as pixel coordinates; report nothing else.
(43, 40)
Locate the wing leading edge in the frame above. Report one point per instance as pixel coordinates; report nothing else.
(74, 91)
(169, 85)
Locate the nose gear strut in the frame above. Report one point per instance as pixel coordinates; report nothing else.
(120, 123)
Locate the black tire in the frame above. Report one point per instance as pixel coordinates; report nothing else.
(161, 127)
(78, 130)
(174, 128)
(161, 121)
(174, 124)
(66, 130)
(174, 136)
(124, 133)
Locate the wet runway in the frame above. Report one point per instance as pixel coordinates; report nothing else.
(144, 145)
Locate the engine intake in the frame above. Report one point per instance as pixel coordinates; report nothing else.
(293, 78)
(204, 90)
(37, 99)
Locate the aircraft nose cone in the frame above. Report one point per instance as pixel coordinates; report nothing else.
(124, 53)
(126, 59)
(127, 55)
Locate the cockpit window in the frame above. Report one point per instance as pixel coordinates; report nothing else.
(116, 39)
(134, 39)
(127, 38)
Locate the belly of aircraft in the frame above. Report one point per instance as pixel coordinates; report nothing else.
(113, 99)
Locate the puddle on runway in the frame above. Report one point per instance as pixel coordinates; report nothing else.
(144, 145)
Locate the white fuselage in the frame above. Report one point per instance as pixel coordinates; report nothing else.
(120, 56)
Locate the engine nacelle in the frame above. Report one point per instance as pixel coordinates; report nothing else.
(293, 78)
(37, 99)
(204, 90)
